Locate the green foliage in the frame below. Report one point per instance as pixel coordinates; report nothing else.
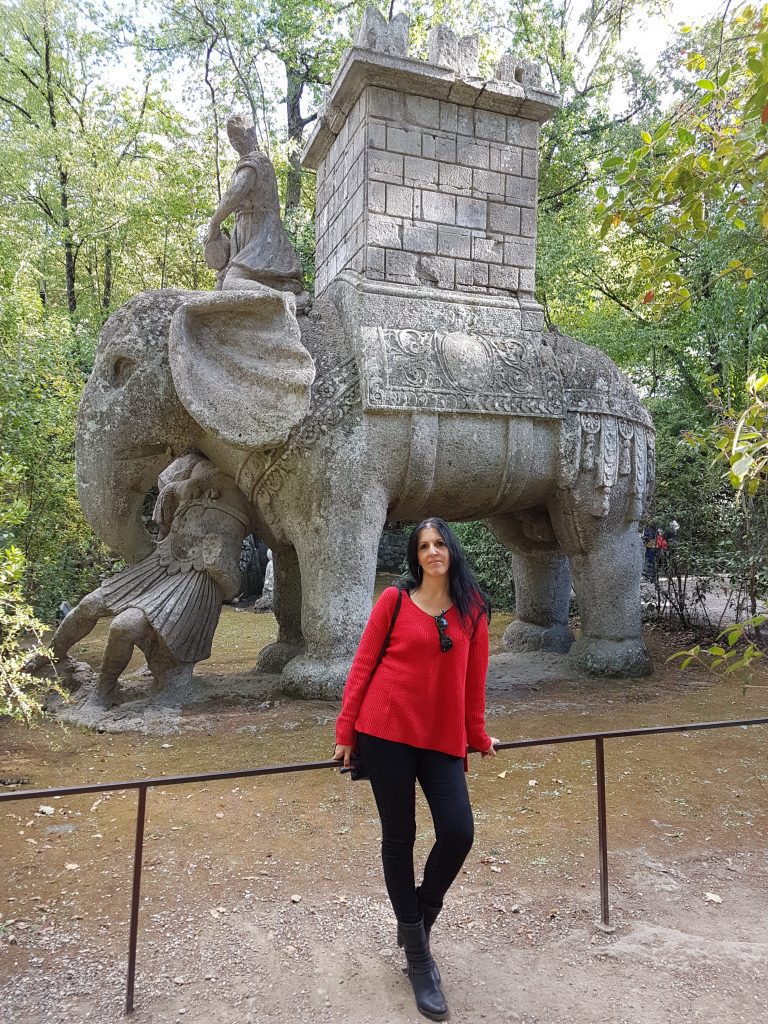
(41, 378)
(743, 444)
(491, 562)
(699, 174)
(735, 659)
(105, 184)
(21, 694)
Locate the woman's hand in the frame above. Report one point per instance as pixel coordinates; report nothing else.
(491, 751)
(343, 753)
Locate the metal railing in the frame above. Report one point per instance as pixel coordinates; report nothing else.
(142, 785)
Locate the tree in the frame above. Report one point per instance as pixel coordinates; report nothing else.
(698, 178)
(84, 163)
(273, 56)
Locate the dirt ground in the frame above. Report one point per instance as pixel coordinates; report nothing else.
(262, 901)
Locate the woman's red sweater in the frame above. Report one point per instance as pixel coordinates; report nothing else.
(419, 694)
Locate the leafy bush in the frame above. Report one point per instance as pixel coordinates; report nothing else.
(42, 362)
(491, 562)
(21, 694)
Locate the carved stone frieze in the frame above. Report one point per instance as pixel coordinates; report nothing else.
(606, 448)
(456, 371)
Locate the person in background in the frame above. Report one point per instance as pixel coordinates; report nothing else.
(650, 537)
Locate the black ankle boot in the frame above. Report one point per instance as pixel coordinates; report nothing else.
(428, 912)
(422, 971)
(429, 915)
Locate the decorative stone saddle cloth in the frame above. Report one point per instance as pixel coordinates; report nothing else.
(455, 371)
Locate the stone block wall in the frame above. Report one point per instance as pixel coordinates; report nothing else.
(419, 190)
(416, 187)
(393, 548)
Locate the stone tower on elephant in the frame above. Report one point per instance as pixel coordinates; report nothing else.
(421, 382)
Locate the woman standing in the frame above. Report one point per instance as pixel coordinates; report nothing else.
(411, 714)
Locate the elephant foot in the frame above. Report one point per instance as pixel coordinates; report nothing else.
(557, 639)
(622, 659)
(275, 656)
(309, 678)
(521, 636)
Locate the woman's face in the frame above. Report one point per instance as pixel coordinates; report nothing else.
(434, 557)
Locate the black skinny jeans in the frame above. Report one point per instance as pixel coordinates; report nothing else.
(393, 769)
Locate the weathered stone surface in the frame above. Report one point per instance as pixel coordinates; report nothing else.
(514, 69)
(169, 603)
(469, 57)
(443, 46)
(259, 250)
(420, 382)
(376, 33)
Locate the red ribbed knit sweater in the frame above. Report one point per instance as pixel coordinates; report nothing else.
(419, 694)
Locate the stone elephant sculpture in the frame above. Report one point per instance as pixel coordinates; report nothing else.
(335, 422)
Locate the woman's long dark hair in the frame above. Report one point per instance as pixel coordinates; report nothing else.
(465, 591)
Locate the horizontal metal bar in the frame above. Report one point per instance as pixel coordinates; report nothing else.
(306, 766)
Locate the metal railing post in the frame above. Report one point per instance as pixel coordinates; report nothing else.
(138, 853)
(602, 829)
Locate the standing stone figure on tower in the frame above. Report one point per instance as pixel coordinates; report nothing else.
(259, 249)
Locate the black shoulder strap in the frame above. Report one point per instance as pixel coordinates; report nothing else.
(395, 613)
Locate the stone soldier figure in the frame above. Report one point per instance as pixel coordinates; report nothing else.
(169, 603)
(259, 248)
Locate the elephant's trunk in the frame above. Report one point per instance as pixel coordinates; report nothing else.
(113, 501)
(112, 490)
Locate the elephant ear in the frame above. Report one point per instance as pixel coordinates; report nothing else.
(239, 366)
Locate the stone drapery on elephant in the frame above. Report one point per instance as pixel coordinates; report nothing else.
(334, 422)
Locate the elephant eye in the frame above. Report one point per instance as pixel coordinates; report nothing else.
(122, 368)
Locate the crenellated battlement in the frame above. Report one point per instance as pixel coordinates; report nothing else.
(427, 172)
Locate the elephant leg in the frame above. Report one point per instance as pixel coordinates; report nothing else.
(78, 623)
(606, 579)
(542, 599)
(337, 556)
(542, 585)
(286, 603)
(129, 628)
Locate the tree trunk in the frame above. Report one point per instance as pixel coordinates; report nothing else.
(70, 255)
(106, 296)
(296, 83)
